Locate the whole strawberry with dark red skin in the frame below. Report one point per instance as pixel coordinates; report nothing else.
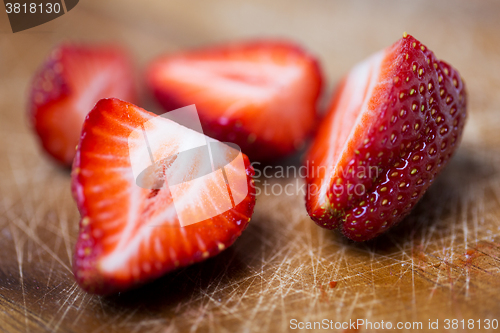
(394, 123)
(261, 95)
(67, 86)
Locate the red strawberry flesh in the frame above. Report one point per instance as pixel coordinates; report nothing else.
(260, 95)
(68, 85)
(394, 123)
(130, 235)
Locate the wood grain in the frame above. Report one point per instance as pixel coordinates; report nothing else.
(442, 262)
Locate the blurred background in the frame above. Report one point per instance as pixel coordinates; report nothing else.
(281, 266)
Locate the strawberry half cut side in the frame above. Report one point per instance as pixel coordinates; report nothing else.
(261, 95)
(394, 123)
(68, 85)
(131, 234)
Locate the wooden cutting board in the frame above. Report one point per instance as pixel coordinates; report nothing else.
(442, 262)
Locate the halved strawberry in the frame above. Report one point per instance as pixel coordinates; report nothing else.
(68, 85)
(260, 95)
(394, 123)
(129, 234)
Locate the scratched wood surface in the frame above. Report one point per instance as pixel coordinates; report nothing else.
(442, 262)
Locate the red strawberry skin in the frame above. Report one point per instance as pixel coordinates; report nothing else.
(67, 86)
(261, 95)
(110, 203)
(394, 123)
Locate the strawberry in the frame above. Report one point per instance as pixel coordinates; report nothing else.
(129, 234)
(260, 95)
(67, 86)
(394, 123)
